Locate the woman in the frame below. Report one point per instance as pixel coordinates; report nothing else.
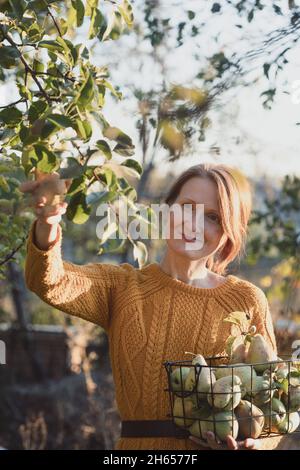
(158, 312)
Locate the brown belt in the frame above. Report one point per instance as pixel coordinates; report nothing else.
(152, 428)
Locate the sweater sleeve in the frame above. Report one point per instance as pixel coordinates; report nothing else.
(262, 319)
(83, 291)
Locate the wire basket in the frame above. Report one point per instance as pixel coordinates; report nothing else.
(243, 400)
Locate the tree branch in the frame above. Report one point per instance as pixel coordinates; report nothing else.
(28, 69)
(11, 255)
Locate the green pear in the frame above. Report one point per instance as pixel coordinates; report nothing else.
(250, 418)
(245, 372)
(289, 424)
(177, 379)
(226, 393)
(185, 411)
(200, 377)
(222, 424)
(260, 354)
(292, 401)
(283, 372)
(238, 354)
(262, 390)
(275, 413)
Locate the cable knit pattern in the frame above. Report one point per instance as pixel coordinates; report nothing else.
(149, 318)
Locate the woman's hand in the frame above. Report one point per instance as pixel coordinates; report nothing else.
(47, 194)
(231, 443)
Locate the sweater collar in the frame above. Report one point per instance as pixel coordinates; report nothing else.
(166, 279)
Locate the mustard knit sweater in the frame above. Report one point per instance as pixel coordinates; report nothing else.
(149, 318)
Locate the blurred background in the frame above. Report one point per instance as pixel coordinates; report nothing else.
(58, 392)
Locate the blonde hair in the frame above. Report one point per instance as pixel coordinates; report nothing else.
(235, 205)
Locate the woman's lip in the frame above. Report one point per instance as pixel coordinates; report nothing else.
(187, 239)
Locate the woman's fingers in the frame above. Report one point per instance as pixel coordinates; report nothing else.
(28, 186)
(252, 444)
(49, 211)
(232, 443)
(214, 442)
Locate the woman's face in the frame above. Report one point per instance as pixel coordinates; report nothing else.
(208, 229)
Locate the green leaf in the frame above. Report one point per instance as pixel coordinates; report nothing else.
(70, 51)
(134, 165)
(124, 150)
(9, 57)
(108, 177)
(237, 318)
(108, 85)
(126, 11)
(114, 133)
(36, 110)
(52, 46)
(72, 170)
(47, 161)
(229, 344)
(96, 23)
(104, 147)
(114, 28)
(251, 16)
(86, 92)
(102, 196)
(216, 8)
(83, 129)
(191, 14)
(110, 229)
(18, 7)
(140, 253)
(113, 245)
(37, 66)
(35, 33)
(78, 184)
(11, 116)
(60, 120)
(78, 210)
(4, 185)
(79, 7)
(266, 69)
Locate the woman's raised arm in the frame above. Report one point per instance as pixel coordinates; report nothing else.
(84, 291)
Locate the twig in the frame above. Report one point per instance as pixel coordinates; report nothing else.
(27, 67)
(62, 77)
(11, 255)
(53, 19)
(21, 100)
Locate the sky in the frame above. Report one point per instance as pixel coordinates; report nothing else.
(270, 138)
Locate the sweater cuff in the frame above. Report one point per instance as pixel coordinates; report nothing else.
(43, 267)
(31, 243)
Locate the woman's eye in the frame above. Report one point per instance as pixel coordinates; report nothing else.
(214, 218)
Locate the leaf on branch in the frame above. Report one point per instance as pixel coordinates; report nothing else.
(11, 116)
(97, 21)
(140, 253)
(78, 210)
(126, 11)
(114, 28)
(60, 120)
(104, 147)
(46, 160)
(79, 8)
(9, 57)
(86, 92)
(114, 133)
(238, 318)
